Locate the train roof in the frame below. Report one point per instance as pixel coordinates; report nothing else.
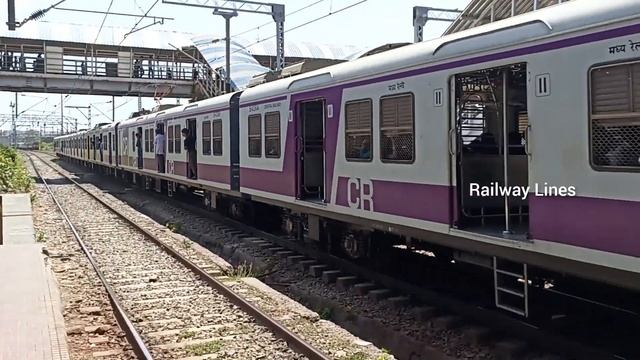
(535, 25)
(218, 102)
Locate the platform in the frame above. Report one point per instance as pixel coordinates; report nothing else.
(31, 321)
(17, 221)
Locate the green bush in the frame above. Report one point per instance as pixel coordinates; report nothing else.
(14, 177)
(45, 146)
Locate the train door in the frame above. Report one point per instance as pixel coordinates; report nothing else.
(490, 161)
(310, 150)
(93, 147)
(109, 146)
(101, 145)
(160, 129)
(192, 127)
(139, 150)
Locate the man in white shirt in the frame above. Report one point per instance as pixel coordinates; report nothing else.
(158, 145)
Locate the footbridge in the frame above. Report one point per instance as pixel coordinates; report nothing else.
(37, 61)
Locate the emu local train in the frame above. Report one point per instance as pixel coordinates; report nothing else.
(401, 143)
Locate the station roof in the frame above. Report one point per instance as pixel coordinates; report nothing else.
(480, 12)
(160, 39)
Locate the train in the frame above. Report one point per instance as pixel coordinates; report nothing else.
(514, 146)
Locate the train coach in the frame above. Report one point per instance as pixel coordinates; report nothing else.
(517, 141)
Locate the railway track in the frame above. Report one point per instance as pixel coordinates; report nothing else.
(168, 306)
(444, 314)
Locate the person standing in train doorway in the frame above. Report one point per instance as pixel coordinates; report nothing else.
(158, 145)
(139, 148)
(190, 146)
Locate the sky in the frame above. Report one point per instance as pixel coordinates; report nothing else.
(368, 24)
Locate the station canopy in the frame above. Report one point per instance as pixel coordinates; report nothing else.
(480, 12)
(243, 64)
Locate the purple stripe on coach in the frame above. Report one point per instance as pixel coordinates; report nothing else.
(216, 173)
(276, 182)
(587, 222)
(416, 201)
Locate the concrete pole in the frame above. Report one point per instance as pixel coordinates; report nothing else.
(113, 108)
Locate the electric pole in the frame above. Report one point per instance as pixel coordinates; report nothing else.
(61, 115)
(423, 14)
(231, 8)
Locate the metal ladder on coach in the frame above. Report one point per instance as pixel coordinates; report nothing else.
(511, 285)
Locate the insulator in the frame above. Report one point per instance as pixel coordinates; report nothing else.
(37, 15)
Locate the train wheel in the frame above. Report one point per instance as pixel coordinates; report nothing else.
(235, 210)
(354, 246)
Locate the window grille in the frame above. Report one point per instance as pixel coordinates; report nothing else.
(176, 139)
(170, 139)
(206, 138)
(397, 128)
(255, 135)
(615, 117)
(358, 130)
(217, 137)
(272, 135)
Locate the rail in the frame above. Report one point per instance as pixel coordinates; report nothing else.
(295, 342)
(134, 338)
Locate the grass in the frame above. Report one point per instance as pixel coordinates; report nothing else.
(174, 226)
(385, 355)
(204, 348)
(242, 271)
(362, 356)
(14, 177)
(187, 334)
(45, 146)
(325, 314)
(356, 356)
(40, 237)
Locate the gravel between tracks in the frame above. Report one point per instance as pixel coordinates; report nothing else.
(333, 341)
(92, 330)
(177, 314)
(450, 342)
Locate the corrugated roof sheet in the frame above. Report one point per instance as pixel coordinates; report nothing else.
(480, 12)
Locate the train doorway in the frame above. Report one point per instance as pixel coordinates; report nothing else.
(192, 156)
(93, 147)
(109, 145)
(491, 161)
(310, 150)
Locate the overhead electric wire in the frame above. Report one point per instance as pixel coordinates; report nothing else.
(330, 13)
(103, 20)
(289, 14)
(140, 20)
(34, 105)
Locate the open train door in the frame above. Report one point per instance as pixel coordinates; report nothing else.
(310, 150)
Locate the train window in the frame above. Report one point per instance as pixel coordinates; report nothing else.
(397, 128)
(615, 117)
(152, 135)
(255, 135)
(146, 140)
(206, 138)
(170, 139)
(358, 130)
(217, 137)
(272, 135)
(176, 139)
